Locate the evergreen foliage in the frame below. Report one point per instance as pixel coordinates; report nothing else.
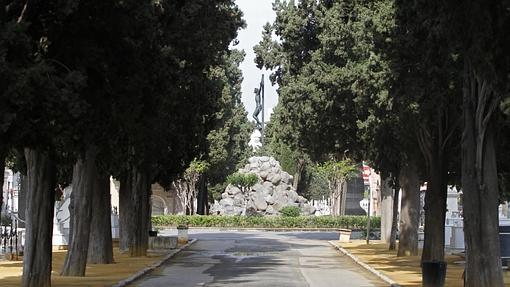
(131, 80)
(227, 142)
(290, 211)
(243, 180)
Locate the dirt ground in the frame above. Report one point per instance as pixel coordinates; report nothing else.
(96, 274)
(405, 270)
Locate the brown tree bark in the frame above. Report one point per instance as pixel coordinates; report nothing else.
(480, 183)
(386, 209)
(298, 176)
(124, 210)
(433, 142)
(335, 199)
(84, 179)
(409, 211)
(139, 224)
(394, 221)
(39, 219)
(202, 195)
(435, 208)
(100, 239)
(134, 203)
(343, 196)
(338, 197)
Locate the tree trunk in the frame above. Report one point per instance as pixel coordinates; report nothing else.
(39, 219)
(84, 180)
(134, 205)
(435, 208)
(343, 196)
(480, 184)
(124, 210)
(140, 214)
(394, 221)
(301, 163)
(334, 202)
(202, 195)
(409, 211)
(100, 240)
(386, 209)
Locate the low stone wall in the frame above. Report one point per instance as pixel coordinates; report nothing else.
(162, 242)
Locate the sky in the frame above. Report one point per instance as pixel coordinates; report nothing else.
(256, 14)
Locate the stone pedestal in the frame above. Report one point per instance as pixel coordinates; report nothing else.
(182, 235)
(345, 235)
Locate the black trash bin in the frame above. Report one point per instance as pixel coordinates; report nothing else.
(433, 273)
(504, 243)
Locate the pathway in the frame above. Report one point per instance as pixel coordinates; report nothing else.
(256, 258)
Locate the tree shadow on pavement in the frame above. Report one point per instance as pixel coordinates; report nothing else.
(234, 258)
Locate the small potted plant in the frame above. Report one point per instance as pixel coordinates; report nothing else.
(182, 234)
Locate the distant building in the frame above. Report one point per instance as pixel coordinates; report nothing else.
(165, 201)
(366, 184)
(162, 201)
(10, 192)
(355, 193)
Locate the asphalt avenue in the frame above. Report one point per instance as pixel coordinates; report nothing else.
(258, 258)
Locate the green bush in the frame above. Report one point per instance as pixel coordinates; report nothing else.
(243, 180)
(290, 211)
(350, 222)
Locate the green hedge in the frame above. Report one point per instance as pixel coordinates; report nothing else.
(290, 211)
(351, 222)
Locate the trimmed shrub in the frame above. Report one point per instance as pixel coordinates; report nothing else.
(350, 222)
(243, 180)
(290, 211)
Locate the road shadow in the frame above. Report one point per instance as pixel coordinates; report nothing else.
(234, 258)
(312, 235)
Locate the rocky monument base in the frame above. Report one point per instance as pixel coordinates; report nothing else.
(273, 192)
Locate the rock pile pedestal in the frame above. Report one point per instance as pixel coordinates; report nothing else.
(273, 192)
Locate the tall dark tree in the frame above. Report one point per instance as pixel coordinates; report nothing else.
(191, 38)
(297, 27)
(81, 78)
(479, 29)
(427, 81)
(341, 89)
(227, 142)
(37, 97)
(85, 45)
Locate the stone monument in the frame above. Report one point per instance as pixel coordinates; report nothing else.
(273, 192)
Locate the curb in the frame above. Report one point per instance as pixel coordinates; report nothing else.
(146, 270)
(366, 266)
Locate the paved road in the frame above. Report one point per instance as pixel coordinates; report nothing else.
(228, 258)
